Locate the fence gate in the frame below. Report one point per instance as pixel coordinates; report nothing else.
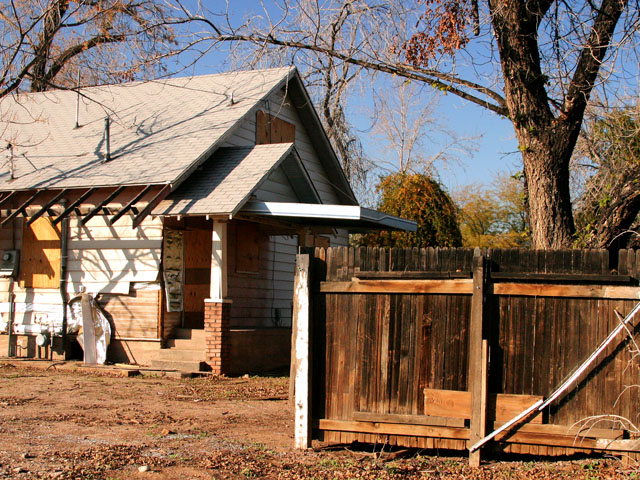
(436, 348)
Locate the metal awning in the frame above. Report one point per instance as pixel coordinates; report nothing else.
(352, 217)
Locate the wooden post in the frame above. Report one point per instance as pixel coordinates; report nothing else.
(218, 289)
(302, 345)
(88, 331)
(478, 359)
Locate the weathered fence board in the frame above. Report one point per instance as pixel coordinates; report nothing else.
(388, 324)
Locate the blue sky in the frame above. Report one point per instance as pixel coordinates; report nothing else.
(494, 139)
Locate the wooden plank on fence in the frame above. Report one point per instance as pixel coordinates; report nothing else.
(501, 407)
(409, 419)
(392, 429)
(569, 291)
(566, 430)
(412, 275)
(618, 445)
(541, 435)
(461, 286)
(561, 277)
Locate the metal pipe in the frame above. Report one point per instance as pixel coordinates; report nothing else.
(11, 316)
(12, 298)
(64, 236)
(78, 100)
(107, 138)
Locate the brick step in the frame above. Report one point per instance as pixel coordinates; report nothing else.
(182, 366)
(186, 343)
(180, 354)
(189, 333)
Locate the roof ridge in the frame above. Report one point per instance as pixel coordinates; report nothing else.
(157, 81)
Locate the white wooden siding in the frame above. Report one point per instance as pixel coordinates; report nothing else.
(101, 258)
(276, 188)
(104, 258)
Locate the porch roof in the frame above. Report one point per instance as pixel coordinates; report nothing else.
(352, 217)
(226, 181)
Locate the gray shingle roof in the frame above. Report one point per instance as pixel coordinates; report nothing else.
(159, 130)
(225, 181)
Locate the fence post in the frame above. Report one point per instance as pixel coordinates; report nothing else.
(301, 333)
(478, 359)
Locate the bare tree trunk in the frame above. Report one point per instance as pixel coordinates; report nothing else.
(547, 140)
(550, 213)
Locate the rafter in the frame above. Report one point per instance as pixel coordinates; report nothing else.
(46, 207)
(129, 205)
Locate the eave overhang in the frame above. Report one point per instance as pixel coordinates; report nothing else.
(352, 217)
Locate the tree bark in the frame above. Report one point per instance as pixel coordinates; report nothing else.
(547, 140)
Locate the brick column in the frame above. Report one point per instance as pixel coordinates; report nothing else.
(216, 330)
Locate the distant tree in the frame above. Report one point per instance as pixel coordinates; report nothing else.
(416, 197)
(411, 136)
(493, 216)
(608, 208)
(46, 43)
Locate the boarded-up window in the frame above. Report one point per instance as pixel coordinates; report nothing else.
(270, 129)
(40, 264)
(247, 247)
(322, 242)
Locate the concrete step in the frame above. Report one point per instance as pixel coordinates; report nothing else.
(182, 366)
(186, 343)
(182, 354)
(189, 333)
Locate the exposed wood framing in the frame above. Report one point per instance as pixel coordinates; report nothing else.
(74, 205)
(129, 205)
(104, 202)
(46, 207)
(152, 204)
(8, 197)
(21, 208)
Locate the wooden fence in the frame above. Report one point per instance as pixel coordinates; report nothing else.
(434, 348)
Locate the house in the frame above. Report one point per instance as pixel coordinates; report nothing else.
(179, 205)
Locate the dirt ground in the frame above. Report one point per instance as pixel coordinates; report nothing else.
(67, 422)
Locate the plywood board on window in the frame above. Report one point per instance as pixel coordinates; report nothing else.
(270, 129)
(40, 256)
(197, 278)
(247, 247)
